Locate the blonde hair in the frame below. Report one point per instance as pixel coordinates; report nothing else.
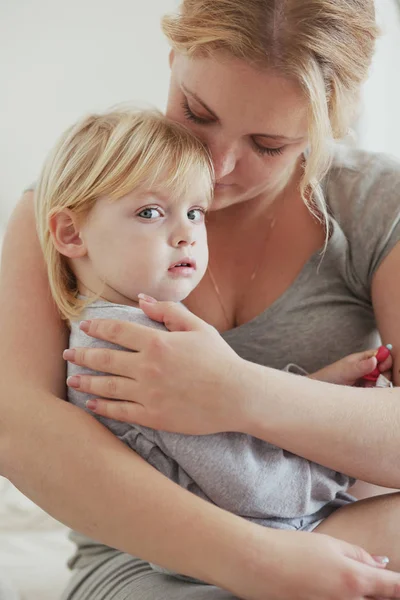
(326, 45)
(111, 154)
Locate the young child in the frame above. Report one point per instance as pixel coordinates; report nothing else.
(120, 210)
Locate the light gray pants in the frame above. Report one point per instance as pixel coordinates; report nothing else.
(121, 577)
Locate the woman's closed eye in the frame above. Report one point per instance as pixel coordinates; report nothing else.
(265, 150)
(259, 148)
(191, 116)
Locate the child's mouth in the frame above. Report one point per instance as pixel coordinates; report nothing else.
(183, 268)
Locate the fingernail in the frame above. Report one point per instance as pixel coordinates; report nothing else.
(84, 325)
(69, 355)
(91, 404)
(147, 298)
(381, 560)
(74, 381)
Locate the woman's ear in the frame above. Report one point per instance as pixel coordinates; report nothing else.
(171, 58)
(66, 235)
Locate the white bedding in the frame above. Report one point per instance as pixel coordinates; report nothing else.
(33, 549)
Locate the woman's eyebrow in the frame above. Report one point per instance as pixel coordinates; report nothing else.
(278, 138)
(196, 97)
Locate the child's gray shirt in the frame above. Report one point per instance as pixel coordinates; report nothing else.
(237, 472)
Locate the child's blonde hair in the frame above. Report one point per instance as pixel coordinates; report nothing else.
(326, 45)
(111, 154)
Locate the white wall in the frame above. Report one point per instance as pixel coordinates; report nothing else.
(379, 127)
(60, 59)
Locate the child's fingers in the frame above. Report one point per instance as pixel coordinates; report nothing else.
(366, 365)
(386, 365)
(365, 354)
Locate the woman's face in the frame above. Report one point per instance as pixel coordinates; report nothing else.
(253, 121)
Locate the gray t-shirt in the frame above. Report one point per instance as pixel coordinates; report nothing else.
(324, 315)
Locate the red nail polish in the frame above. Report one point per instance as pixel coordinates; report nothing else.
(382, 354)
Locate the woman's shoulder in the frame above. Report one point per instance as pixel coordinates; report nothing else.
(360, 169)
(362, 191)
(360, 184)
(352, 159)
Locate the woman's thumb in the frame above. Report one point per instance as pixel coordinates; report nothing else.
(175, 316)
(360, 555)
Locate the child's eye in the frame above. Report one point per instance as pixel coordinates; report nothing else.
(196, 214)
(150, 213)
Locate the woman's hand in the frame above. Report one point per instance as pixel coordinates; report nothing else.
(184, 382)
(313, 566)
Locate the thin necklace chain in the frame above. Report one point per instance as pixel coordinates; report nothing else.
(253, 276)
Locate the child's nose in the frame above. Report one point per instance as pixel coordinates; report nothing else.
(187, 240)
(183, 236)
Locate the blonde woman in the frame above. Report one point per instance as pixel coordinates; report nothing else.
(267, 85)
(120, 207)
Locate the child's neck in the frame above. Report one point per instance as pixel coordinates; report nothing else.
(107, 293)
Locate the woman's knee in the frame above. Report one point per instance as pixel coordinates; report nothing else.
(371, 523)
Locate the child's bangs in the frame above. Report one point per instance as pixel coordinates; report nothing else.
(161, 154)
(180, 175)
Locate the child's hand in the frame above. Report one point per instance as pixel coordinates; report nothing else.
(351, 369)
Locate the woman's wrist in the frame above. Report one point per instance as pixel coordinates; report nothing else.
(239, 553)
(251, 392)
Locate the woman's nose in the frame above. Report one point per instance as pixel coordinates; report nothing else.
(224, 160)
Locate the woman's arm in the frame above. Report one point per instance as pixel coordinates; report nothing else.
(351, 430)
(80, 473)
(68, 463)
(363, 432)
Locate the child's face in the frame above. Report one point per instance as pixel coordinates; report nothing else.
(145, 242)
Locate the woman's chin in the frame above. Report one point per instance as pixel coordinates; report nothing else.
(225, 196)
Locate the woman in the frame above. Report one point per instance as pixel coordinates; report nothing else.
(266, 85)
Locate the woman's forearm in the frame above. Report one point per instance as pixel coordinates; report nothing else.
(75, 469)
(352, 430)
(68, 463)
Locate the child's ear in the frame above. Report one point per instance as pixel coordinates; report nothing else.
(65, 232)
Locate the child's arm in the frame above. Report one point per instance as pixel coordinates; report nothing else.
(361, 368)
